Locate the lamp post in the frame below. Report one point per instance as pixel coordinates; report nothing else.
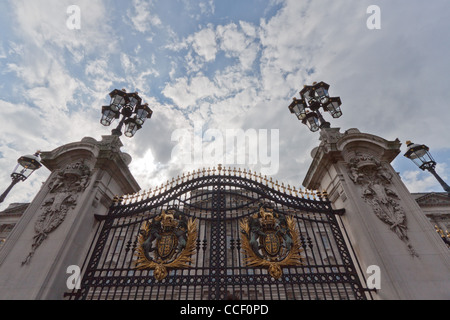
(420, 155)
(129, 106)
(307, 108)
(26, 165)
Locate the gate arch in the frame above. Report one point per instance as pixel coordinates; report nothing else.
(219, 200)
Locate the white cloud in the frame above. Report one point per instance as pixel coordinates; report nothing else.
(227, 73)
(237, 44)
(44, 22)
(207, 7)
(141, 17)
(204, 44)
(187, 92)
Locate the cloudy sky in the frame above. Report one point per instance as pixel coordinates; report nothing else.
(209, 67)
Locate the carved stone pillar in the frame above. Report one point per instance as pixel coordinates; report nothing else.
(385, 224)
(58, 226)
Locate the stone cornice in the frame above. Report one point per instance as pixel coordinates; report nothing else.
(104, 154)
(336, 146)
(433, 200)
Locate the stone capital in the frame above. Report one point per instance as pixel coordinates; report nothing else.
(336, 146)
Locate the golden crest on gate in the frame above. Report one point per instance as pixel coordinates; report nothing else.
(271, 243)
(270, 240)
(166, 242)
(166, 245)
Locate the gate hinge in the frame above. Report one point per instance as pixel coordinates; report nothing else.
(99, 217)
(339, 212)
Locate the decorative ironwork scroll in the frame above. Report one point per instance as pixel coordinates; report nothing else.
(194, 238)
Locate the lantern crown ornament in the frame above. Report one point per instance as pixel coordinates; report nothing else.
(313, 98)
(128, 105)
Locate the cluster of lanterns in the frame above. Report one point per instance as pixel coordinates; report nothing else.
(130, 106)
(312, 99)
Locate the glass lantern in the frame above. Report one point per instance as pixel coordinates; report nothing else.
(299, 108)
(118, 99)
(312, 121)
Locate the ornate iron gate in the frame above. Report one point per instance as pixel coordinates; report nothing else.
(220, 255)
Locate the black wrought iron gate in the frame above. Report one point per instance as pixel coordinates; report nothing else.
(219, 201)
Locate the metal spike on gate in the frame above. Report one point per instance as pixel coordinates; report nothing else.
(319, 195)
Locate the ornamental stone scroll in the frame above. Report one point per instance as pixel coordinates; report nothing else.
(375, 182)
(65, 188)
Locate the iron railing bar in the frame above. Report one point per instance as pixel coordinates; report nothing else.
(313, 253)
(332, 246)
(349, 244)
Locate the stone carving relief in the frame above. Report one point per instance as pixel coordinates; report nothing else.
(65, 188)
(375, 181)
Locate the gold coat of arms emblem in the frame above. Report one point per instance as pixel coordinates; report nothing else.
(270, 240)
(166, 242)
